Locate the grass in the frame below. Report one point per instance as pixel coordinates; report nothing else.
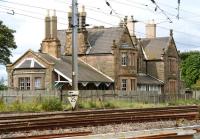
(53, 104)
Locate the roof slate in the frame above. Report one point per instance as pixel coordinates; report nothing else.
(85, 72)
(100, 39)
(155, 47)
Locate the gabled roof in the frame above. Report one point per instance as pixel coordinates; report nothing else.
(100, 39)
(154, 48)
(147, 79)
(85, 72)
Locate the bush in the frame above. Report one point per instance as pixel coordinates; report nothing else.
(52, 104)
(17, 106)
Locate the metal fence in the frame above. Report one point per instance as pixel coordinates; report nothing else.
(95, 95)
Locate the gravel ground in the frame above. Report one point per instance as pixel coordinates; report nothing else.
(115, 128)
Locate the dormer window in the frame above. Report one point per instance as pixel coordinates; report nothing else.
(124, 59)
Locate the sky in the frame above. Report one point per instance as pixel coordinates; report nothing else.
(26, 17)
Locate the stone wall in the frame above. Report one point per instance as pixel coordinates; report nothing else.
(103, 62)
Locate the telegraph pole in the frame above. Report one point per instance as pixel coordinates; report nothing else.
(74, 45)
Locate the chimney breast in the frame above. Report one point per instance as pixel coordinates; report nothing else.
(151, 30)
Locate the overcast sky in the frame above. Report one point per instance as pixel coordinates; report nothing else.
(29, 24)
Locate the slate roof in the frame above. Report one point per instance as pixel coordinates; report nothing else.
(155, 47)
(27, 64)
(85, 72)
(100, 39)
(147, 79)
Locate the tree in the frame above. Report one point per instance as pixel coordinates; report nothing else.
(190, 68)
(2, 85)
(7, 43)
(185, 55)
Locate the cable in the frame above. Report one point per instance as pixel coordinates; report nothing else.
(90, 18)
(98, 21)
(158, 7)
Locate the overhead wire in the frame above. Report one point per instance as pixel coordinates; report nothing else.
(101, 21)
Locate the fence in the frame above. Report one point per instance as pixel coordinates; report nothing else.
(95, 95)
(26, 96)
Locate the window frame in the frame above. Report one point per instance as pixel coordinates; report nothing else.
(38, 83)
(24, 83)
(124, 59)
(124, 83)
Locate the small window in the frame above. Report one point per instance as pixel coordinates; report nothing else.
(124, 59)
(124, 84)
(38, 82)
(24, 83)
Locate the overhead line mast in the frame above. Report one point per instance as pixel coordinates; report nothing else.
(74, 45)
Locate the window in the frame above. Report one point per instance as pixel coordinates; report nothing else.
(133, 84)
(142, 87)
(38, 82)
(124, 84)
(124, 59)
(24, 83)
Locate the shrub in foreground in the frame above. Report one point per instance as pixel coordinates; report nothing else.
(52, 104)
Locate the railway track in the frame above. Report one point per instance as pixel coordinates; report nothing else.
(41, 121)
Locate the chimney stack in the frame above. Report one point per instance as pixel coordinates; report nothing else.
(47, 26)
(151, 30)
(54, 25)
(131, 26)
(82, 18)
(51, 44)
